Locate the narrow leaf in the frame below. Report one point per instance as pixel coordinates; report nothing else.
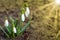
(4, 31)
(24, 28)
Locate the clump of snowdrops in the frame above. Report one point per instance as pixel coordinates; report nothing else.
(14, 26)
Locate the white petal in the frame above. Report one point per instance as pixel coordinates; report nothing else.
(23, 17)
(27, 11)
(6, 23)
(14, 29)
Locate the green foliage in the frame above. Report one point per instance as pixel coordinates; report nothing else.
(14, 26)
(10, 33)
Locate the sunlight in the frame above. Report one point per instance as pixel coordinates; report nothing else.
(57, 2)
(46, 5)
(52, 10)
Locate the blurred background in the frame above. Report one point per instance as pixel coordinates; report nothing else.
(45, 16)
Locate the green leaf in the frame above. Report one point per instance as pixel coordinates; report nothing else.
(13, 25)
(16, 23)
(4, 31)
(18, 30)
(24, 28)
(11, 19)
(9, 29)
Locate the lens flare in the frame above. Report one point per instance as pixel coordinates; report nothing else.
(57, 2)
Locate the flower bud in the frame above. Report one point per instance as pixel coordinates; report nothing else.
(23, 17)
(6, 23)
(14, 29)
(27, 12)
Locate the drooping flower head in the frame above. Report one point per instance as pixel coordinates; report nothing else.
(6, 22)
(22, 14)
(27, 12)
(14, 29)
(23, 17)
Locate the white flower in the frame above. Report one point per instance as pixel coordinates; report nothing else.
(23, 17)
(6, 23)
(27, 12)
(14, 29)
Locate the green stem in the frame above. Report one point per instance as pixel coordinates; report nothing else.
(20, 21)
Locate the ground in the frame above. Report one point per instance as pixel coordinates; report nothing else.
(41, 28)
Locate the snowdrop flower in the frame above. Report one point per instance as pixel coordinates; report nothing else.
(6, 23)
(23, 17)
(27, 12)
(14, 29)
